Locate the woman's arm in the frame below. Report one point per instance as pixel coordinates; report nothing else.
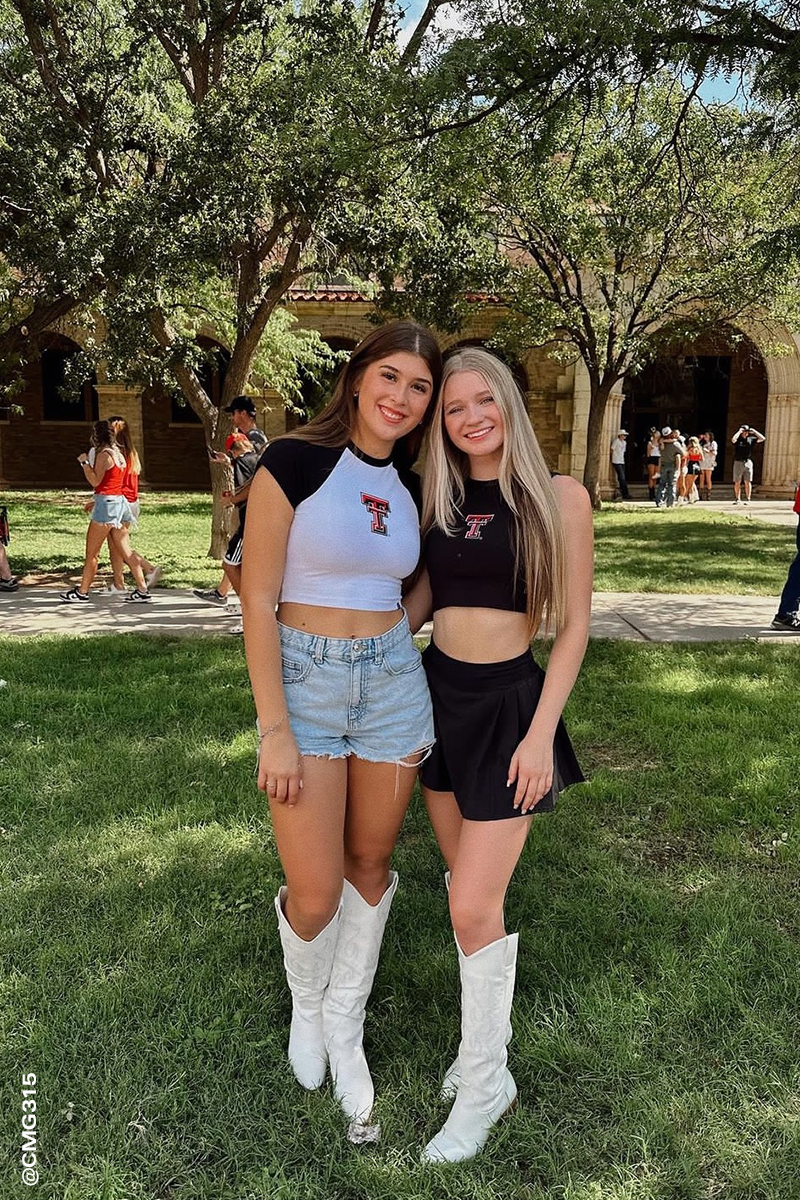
(269, 519)
(418, 602)
(102, 462)
(532, 762)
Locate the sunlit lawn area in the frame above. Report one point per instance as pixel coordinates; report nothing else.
(657, 1044)
(638, 548)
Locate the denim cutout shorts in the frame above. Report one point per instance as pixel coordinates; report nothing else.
(363, 696)
(111, 510)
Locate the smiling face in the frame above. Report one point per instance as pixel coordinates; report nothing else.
(393, 395)
(474, 423)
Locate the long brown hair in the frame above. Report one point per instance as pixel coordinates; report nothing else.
(122, 433)
(335, 424)
(103, 436)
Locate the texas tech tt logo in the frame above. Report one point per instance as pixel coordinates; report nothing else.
(379, 510)
(476, 523)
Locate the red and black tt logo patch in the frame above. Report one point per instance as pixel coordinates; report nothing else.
(379, 509)
(476, 523)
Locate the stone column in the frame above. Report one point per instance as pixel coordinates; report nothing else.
(611, 427)
(781, 468)
(581, 394)
(114, 399)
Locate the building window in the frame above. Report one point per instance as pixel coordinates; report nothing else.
(60, 402)
(211, 373)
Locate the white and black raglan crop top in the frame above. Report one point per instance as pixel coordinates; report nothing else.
(355, 533)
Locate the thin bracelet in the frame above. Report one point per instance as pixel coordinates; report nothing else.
(272, 729)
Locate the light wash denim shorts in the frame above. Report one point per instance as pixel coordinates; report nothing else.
(111, 510)
(363, 696)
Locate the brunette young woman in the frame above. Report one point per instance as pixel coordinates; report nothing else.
(110, 512)
(507, 552)
(343, 708)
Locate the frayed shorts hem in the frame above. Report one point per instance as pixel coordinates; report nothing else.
(365, 756)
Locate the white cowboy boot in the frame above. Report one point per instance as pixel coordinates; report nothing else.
(486, 1088)
(308, 969)
(344, 1004)
(452, 1075)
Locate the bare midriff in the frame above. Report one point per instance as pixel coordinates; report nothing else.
(337, 622)
(481, 635)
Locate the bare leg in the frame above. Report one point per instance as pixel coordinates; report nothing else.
(445, 817)
(378, 795)
(309, 837)
(120, 539)
(233, 578)
(96, 534)
(488, 852)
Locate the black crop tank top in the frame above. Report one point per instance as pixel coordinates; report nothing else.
(475, 568)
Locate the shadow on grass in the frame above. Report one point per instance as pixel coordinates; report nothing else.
(655, 1046)
(697, 552)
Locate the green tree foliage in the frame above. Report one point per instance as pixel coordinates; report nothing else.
(647, 219)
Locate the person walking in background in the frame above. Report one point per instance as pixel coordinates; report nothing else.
(130, 490)
(787, 617)
(618, 448)
(110, 512)
(344, 713)
(653, 460)
(670, 467)
(708, 463)
(508, 553)
(744, 440)
(244, 459)
(243, 420)
(8, 581)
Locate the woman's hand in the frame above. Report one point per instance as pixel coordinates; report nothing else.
(88, 506)
(532, 768)
(280, 768)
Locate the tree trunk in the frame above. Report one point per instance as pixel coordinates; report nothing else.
(222, 517)
(594, 436)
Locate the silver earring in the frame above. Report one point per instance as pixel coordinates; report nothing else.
(355, 397)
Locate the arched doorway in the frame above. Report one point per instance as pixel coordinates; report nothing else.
(716, 383)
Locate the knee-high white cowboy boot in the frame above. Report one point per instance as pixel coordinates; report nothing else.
(452, 1075)
(486, 1089)
(308, 970)
(344, 1005)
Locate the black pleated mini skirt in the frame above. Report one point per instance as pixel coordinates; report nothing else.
(481, 713)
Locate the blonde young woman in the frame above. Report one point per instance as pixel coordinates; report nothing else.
(110, 513)
(130, 490)
(507, 552)
(343, 708)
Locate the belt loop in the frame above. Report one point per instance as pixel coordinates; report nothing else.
(319, 650)
(378, 644)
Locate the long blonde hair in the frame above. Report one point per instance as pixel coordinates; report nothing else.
(125, 442)
(525, 483)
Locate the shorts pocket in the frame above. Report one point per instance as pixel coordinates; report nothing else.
(403, 658)
(295, 666)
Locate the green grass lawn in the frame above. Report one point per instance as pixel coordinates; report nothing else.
(657, 1043)
(639, 549)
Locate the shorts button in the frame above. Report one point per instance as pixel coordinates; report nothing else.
(358, 647)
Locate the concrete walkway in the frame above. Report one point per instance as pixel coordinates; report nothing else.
(639, 617)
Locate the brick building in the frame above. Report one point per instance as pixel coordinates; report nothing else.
(717, 383)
